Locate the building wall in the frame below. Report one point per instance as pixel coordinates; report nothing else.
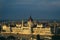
(42, 31)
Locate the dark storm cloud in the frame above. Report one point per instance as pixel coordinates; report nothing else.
(16, 9)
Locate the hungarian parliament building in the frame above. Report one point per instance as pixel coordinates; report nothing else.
(29, 30)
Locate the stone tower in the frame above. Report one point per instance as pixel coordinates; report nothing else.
(30, 22)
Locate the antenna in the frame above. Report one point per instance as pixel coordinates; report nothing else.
(23, 16)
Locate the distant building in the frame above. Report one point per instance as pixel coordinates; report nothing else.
(29, 27)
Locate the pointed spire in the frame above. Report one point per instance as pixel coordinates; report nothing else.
(30, 19)
(22, 23)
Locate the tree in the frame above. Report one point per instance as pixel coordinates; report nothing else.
(11, 38)
(56, 37)
(38, 37)
(2, 38)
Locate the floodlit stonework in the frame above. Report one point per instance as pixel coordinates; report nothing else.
(28, 30)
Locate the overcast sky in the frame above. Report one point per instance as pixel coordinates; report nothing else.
(19, 9)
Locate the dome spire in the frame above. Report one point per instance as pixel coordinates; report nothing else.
(30, 19)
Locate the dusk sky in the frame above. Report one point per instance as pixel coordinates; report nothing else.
(20, 9)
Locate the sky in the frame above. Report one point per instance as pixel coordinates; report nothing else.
(22, 9)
